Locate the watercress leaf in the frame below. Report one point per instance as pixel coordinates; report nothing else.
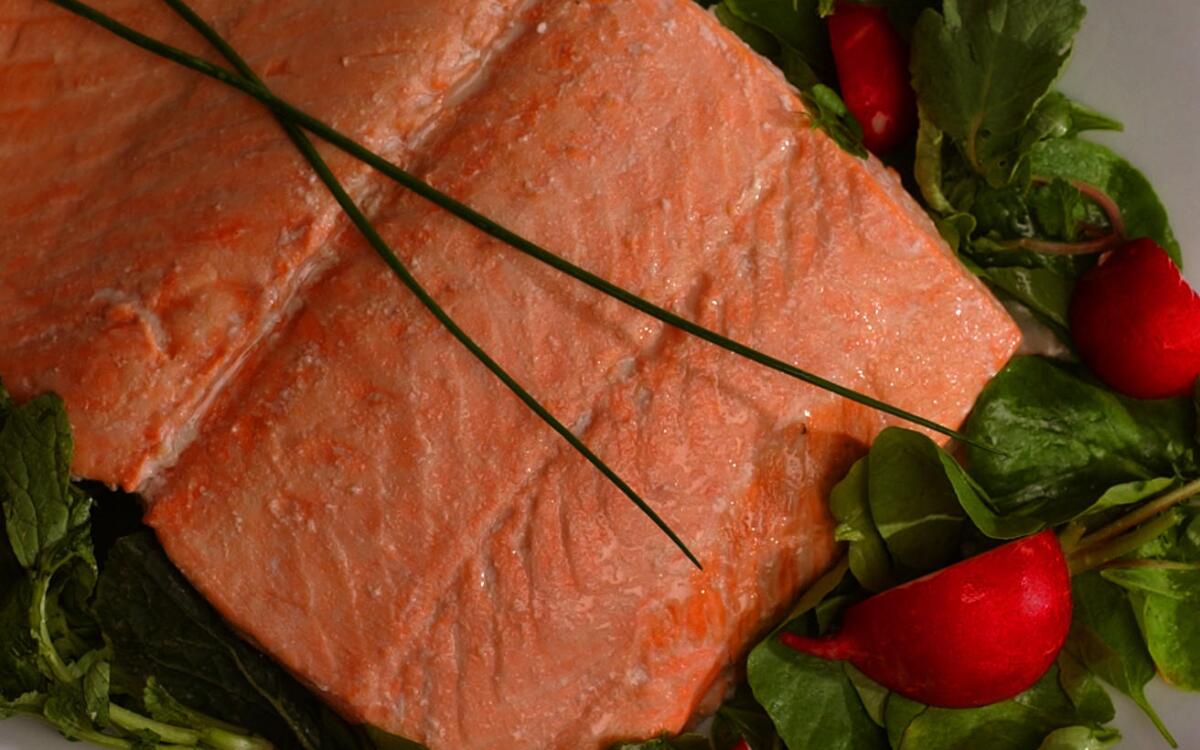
(956, 229)
(1106, 639)
(1098, 166)
(762, 42)
(741, 718)
(1172, 629)
(95, 692)
(1058, 116)
(1161, 577)
(67, 711)
(874, 696)
(1046, 293)
(1058, 209)
(1021, 723)
(35, 489)
(1060, 441)
(811, 701)
(850, 505)
(1002, 212)
(28, 703)
(1093, 706)
(898, 714)
(19, 673)
(980, 68)
(1080, 738)
(913, 503)
(795, 24)
(829, 113)
(979, 508)
(160, 627)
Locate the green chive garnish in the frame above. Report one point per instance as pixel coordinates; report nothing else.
(364, 225)
(285, 110)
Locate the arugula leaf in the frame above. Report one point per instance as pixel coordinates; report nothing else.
(1060, 441)
(981, 68)
(811, 701)
(35, 483)
(1096, 165)
(1106, 639)
(160, 628)
(1080, 738)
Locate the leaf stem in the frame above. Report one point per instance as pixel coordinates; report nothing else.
(487, 225)
(1140, 514)
(136, 723)
(364, 225)
(1083, 560)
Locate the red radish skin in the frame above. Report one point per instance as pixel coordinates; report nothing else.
(975, 633)
(742, 745)
(1136, 323)
(872, 68)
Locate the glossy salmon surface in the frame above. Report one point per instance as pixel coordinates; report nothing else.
(353, 491)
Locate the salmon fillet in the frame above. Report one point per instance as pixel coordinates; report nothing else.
(371, 506)
(153, 225)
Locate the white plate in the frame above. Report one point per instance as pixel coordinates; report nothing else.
(1137, 61)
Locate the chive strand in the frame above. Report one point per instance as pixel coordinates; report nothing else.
(490, 227)
(364, 225)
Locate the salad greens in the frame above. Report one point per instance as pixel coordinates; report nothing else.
(101, 637)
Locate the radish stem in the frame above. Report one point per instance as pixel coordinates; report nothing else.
(1140, 515)
(1099, 554)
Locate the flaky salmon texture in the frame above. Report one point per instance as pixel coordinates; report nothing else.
(342, 480)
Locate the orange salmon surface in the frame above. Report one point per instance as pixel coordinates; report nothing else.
(337, 475)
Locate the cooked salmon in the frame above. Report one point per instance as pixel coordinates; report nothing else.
(154, 225)
(358, 495)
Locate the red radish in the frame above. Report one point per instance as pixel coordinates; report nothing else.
(872, 68)
(742, 745)
(977, 632)
(1136, 323)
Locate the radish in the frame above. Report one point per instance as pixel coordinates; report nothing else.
(1136, 323)
(872, 69)
(977, 632)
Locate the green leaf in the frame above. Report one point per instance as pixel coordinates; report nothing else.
(1022, 723)
(979, 508)
(1061, 441)
(811, 701)
(1171, 626)
(1095, 165)
(1163, 578)
(35, 464)
(1106, 639)
(756, 38)
(829, 113)
(1058, 209)
(851, 508)
(874, 696)
(29, 703)
(794, 23)
(19, 674)
(1045, 292)
(1080, 738)
(741, 718)
(913, 503)
(159, 627)
(981, 67)
(95, 692)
